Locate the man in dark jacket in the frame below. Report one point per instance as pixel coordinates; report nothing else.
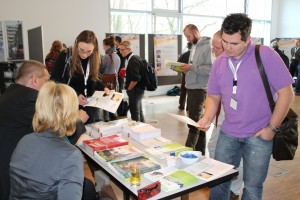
(133, 84)
(17, 105)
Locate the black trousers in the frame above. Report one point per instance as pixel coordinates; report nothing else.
(195, 102)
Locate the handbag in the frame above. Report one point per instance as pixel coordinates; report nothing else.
(149, 191)
(110, 81)
(285, 141)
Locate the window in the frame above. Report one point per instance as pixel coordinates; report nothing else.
(170, 16)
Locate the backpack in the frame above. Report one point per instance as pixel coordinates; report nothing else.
(68, 61)
(149, 76)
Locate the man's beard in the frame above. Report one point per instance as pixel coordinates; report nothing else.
(195, 40)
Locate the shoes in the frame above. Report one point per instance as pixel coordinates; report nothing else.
(233, 196)
(180, 107)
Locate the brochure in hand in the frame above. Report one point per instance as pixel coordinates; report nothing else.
(122, 168)
(177, 180)
(176, 66)
(120, 153)
(109, 102)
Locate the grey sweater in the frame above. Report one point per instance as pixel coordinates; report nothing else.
(198, 75)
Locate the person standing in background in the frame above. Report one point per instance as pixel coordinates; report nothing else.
(82, 72)
(118, 40)
(110, 65)
(184, 58)
(249, 126)
(133, 84)
(295, 58)
(196, 76)
(53, 54)
(237, 182)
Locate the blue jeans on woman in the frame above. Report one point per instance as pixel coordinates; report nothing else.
(135, 97)
(256, 153)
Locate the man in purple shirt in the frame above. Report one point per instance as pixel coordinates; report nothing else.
(248, 128)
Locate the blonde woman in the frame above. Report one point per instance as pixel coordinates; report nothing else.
(44, 165)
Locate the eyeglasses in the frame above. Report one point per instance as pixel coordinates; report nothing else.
(88, 53)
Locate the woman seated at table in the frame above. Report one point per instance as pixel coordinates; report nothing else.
(44, 164)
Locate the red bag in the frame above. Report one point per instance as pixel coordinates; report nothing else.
(122, 72)
(149, 191)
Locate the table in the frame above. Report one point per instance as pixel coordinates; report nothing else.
(130, 191)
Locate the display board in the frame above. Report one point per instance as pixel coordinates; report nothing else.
(36, 44)
(164, 79)
(286, 44)
(137, 42)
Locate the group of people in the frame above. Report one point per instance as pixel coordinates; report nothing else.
(232, 92)
(41, 121)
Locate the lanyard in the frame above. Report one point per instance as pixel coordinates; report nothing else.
(126, 61)
(87, 73)
(234, 72)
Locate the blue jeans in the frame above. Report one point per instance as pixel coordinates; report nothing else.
(135, 97)
(256, 153)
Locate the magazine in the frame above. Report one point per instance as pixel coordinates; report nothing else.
(163, 151)
(176, 66)
(158, 174)
(122, 168)
(177, 180)
(102, 143)
(208, 169)
(120, 153)
(109, 102)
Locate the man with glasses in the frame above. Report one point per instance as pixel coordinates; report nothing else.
(133, 83)
(17, 105)
(249, 126)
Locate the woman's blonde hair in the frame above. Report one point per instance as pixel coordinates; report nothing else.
(56, 109)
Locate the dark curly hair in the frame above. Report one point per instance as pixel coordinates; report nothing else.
(237, 23)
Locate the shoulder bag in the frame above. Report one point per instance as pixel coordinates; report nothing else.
(285, 141)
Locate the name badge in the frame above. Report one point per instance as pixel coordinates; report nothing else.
(233, 103)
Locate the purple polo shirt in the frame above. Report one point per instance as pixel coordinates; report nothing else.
(253, 112)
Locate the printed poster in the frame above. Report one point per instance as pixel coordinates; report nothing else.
(165, 48)
(134, 39)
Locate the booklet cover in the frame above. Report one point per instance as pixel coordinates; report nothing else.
(109, 102)
(176, 66)
(158, 174)
(208, 169)
(155, 142)
(122, 168)
(102, 143)
(177, 180)
(163, 151)
(120, 153)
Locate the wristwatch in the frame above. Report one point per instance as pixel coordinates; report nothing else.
(275, 130)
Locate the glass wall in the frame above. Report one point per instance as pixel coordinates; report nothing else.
(171, 16)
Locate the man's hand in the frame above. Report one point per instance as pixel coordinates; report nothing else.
(204, 124)
(83, 116)
(265, 133)
(82, 100)
(185, 67)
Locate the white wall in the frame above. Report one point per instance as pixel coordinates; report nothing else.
(285, 19)
(61, 19)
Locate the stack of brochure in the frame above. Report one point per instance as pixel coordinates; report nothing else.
(147, 131)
